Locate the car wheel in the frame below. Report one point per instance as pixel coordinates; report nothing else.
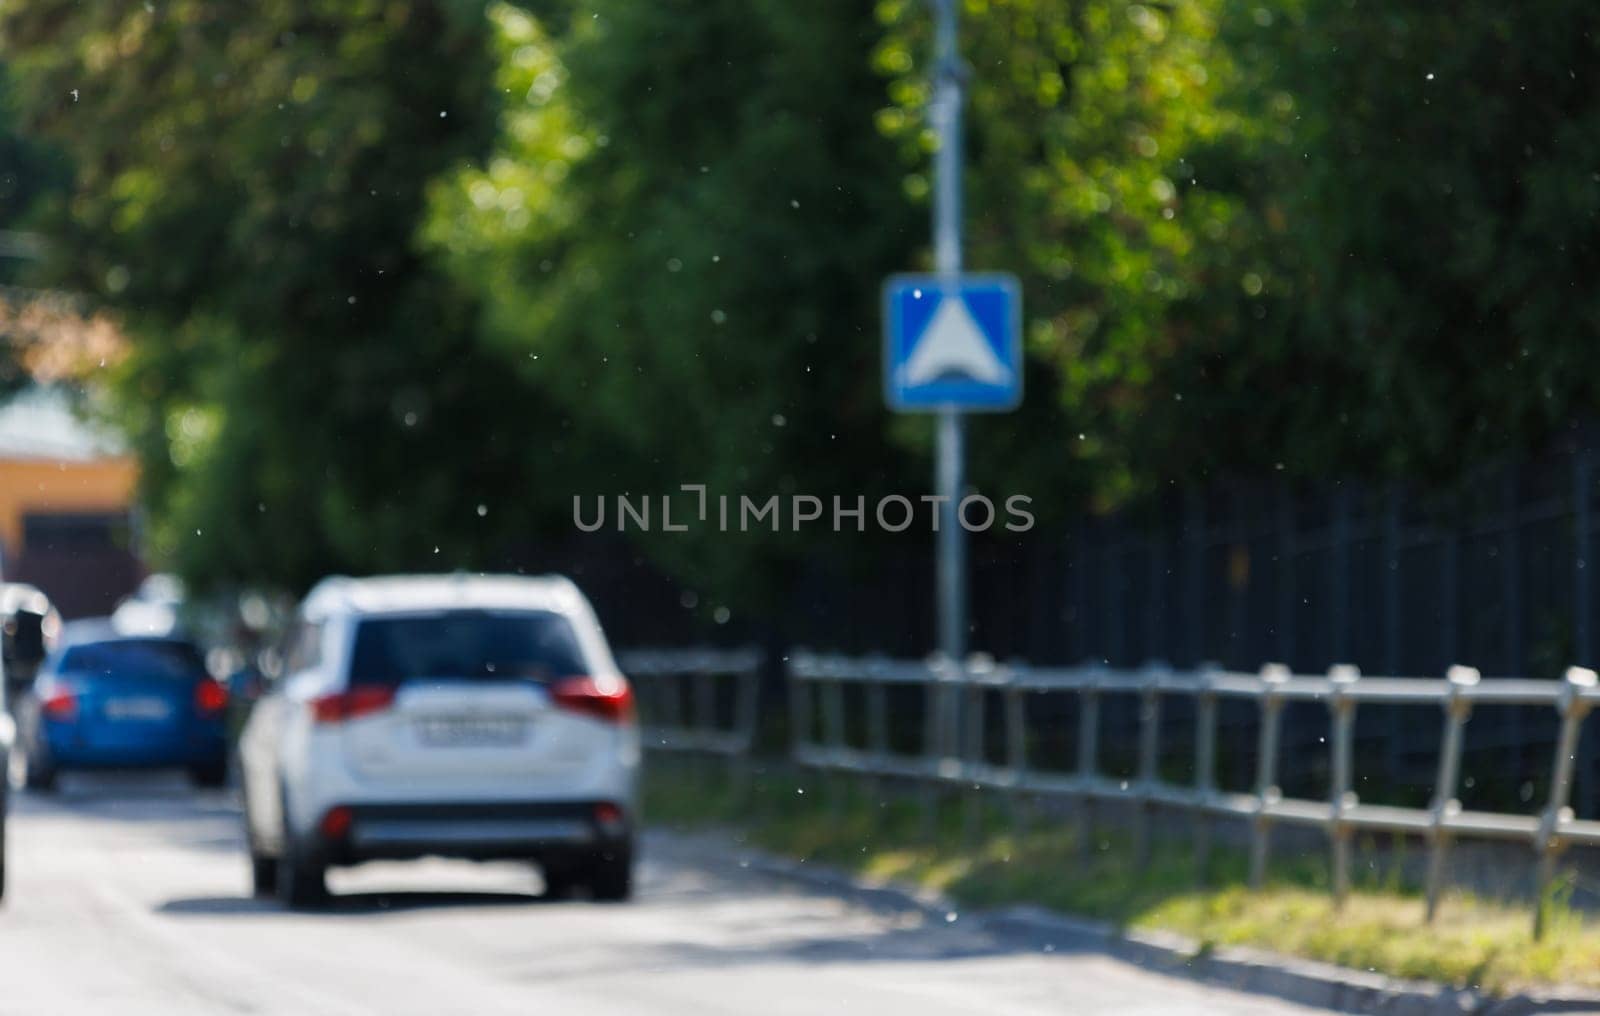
(560, 882)
(263, 869)
(210, 774)
(300, 880)
(263, 875)
(37, 775)
(611, 875)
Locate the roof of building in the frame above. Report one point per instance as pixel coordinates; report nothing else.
(107, 629)
(41, 423)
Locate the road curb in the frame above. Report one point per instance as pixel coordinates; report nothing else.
(1256, 971)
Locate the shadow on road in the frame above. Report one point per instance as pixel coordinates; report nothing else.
(760, 919)
(157, 805)
(759, 940)
(131, 796)
(358, 904)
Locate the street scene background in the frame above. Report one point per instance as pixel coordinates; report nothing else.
(1308, 319)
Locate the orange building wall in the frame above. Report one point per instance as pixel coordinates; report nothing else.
(46, 485)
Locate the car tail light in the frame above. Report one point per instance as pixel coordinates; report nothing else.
(210, 698)
(347, 705)
(61, 704)
(608, 815)
(335, 823)
(607, 698)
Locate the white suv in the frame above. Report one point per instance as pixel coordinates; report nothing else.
(455, 715)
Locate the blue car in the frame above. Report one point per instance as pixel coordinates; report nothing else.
(110, 701)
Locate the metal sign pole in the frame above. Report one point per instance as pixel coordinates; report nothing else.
(946, 113)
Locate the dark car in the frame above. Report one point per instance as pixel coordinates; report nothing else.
(105, 700)
(8, 730)
(28, 624)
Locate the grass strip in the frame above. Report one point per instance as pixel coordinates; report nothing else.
(994, 860)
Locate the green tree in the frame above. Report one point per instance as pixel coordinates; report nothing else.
(1108, 172)
(31, 175)
(1312, 237)
(305, 391)
(680, 236)
(390, 262)
(1436, 174)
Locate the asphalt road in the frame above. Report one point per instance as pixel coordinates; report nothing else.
(130, 896)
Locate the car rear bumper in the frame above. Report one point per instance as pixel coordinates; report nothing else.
(67, 752)
(478, 831)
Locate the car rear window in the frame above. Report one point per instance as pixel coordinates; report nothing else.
(135, 658)
(472, 645)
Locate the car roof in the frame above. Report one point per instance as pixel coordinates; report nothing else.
(101, 629)
(404, 593)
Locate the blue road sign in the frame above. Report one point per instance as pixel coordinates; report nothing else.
(952, 343)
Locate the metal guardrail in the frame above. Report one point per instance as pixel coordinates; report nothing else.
(663, 677)
(957, 692)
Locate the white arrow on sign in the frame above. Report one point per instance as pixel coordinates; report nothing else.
(953, 344)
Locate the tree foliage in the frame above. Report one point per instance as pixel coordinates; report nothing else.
(1089, 122)
(391, 261)
(1314, 237)
(1435, 172)
(246, 190)
(680, 236)
(31, 174)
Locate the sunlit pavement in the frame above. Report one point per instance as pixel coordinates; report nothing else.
(129, 895)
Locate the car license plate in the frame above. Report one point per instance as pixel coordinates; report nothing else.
(471, 732)
(137, 709)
